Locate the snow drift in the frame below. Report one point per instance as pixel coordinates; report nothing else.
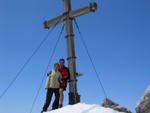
(83, 108)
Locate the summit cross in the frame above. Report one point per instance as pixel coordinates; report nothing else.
(67, 17)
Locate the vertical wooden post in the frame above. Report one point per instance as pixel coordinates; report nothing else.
(73, 94)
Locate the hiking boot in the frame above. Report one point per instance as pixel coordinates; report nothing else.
(43, 111)
(60, 105)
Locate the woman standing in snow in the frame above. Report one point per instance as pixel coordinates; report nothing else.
(52, 86)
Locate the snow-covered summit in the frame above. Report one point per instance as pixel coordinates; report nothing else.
(83, 108)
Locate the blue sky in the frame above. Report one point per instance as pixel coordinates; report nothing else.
(117, 36)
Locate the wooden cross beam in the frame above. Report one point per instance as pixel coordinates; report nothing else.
(91, 7)
(67, 17)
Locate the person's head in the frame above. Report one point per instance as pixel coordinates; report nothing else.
(56, 66)
(61, 62)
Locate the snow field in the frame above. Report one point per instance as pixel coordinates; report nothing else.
(83, 108)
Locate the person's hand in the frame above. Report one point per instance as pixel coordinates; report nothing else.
(49, 73)
(64, 79)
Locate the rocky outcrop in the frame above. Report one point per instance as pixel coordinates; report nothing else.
(110, 104)
(143, 106)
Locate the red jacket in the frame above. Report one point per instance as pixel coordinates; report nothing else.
(65, 75)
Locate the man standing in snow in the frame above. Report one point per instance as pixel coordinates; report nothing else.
(52, 86)
(65, 76)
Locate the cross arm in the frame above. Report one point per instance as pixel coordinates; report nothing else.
(91, 7)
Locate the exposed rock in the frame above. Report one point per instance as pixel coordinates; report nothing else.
(143, 106)
(110, 104)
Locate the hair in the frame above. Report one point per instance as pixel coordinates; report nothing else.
(61, 59)
(56, 64)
